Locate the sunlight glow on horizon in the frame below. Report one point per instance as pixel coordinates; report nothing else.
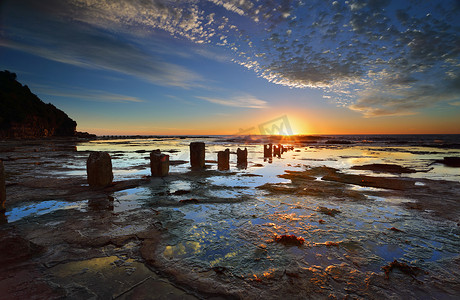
(314, 126)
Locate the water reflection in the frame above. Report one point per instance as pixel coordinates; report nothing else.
(42, 208)
(231, 235)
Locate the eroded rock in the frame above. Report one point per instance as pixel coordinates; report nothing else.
(15, 249)
(371, 181)
(385, 168)
(289, 240)
(453, 162)
(328, 211)
(403, 267)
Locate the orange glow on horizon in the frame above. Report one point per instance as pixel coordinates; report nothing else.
(301, 122)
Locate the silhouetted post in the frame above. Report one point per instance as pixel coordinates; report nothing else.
(283, 149)
(99, 169)
(159, 163)
(197, 153)
(223, 160)
(242, 158)
(2, 187)
(277, 150)
(268, 150)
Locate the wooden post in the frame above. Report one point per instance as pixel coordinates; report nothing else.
(197, 155)
(242, 158)
(268, 150)
(99, 169)
(223, 160)
(277, 150)
(159, 163)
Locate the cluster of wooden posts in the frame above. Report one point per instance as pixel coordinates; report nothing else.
(197, 155)
(223, 159)
(99, 164)
(271, 150)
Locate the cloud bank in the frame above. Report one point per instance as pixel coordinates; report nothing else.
(377, 57)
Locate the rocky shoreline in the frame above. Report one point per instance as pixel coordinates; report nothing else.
(93, 250)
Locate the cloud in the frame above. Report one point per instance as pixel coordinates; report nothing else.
(236, 6)
(246, 101)
(406, 100)
(85, 94)
(378, 57)
(369, 56)
(125, 60)
(85, 46)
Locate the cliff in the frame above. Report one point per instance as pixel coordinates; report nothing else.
(24, 115)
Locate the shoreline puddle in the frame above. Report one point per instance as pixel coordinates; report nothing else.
(42, 208)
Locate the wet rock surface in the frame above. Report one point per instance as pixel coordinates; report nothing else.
(385, 168)
(453, 162)
(142, 236)
(306, 183)
(15, 249)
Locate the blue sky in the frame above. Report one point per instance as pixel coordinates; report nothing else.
(212, 67)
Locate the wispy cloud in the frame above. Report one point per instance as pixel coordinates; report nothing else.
(76, 43)
(85, 94)
(246, 101)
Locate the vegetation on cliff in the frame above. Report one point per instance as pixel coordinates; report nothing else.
(24, 115)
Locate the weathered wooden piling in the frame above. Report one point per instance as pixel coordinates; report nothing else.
(159, 163)
(2, 187)
(99, 169)
(277, 150)
(197, 154)
(242, 158)
(223, 160)
(268, 150)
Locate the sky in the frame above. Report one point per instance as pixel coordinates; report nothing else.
(121, 67)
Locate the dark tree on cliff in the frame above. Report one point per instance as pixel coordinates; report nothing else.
(23, 114)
